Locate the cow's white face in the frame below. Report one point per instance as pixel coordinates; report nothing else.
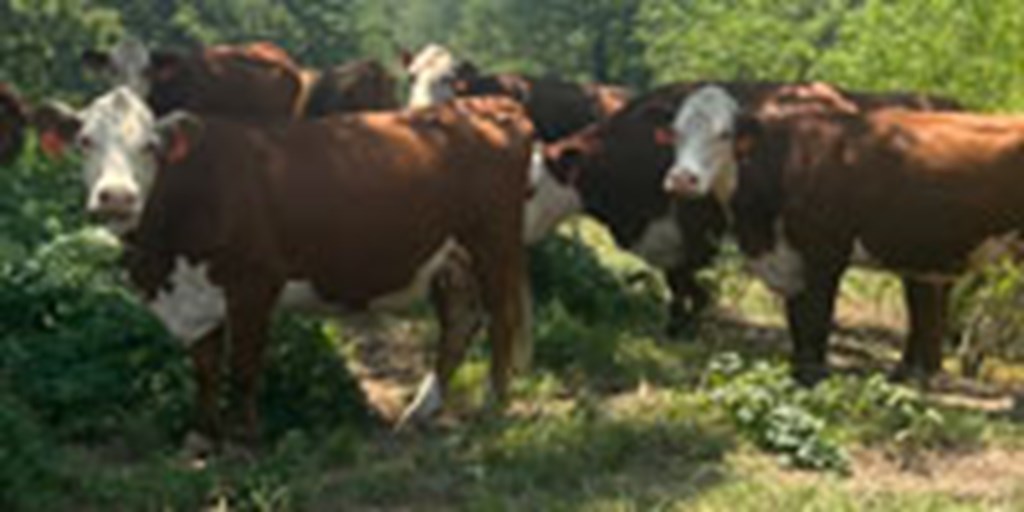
(432, 71)
(703, 139)
(550, 202)
(115, 136)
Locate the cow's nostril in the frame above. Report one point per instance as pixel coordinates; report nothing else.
(116, 198)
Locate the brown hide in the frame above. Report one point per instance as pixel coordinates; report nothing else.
(13, 121)
(260, 80)
(921, 192)
(353, 205)
(618, 166)
(557, 108)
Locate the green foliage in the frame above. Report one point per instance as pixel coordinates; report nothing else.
(988, 315)
(766, 405)
(809, 426)
(746, 39)
(28, 465)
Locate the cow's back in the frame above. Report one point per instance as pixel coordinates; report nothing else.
(353, 87)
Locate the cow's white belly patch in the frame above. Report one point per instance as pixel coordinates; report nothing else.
(661, 244)
(420, 283)
(782, 268)
(191, 306)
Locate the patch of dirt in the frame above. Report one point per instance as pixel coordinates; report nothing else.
(989, 474)
(389, 357)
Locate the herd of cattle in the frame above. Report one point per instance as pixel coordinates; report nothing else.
(240, 182)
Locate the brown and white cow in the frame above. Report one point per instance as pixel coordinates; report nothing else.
(616, 171)
(232, 219)
(255, 80)
(558, 108)
(13, 123)
(921, 194)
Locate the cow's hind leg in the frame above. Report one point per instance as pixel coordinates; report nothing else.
(503, 278)
(809, 314)
(455, 295)
(927, 305)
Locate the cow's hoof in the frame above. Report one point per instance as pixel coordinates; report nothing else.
(427, 404)
(197, 450)
(810, 375)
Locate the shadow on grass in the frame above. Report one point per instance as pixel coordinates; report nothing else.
(650, 452)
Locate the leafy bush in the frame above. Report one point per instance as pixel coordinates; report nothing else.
(989, 315)
(766, 406)
(570, 272)
(808, 426)
(28, 463)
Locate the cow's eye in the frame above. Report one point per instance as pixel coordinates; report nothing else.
(725, 135)
(84, 142)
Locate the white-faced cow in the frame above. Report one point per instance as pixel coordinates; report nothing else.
(916, 193)
(226, 220)
(616, 172)
(13, 122)
(558, 108)
(256, 80)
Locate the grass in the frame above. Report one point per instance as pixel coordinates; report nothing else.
(613, 418)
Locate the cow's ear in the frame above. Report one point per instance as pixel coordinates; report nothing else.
(96, 61)
(467, 70)
(57, 125)
(665, 136)
(405, 57)
(565, 163)
(748, 130)
(163, 65)
(176, 136)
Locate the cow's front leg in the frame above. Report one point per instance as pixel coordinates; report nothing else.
(455, 295)
(927, 306)
(688, 301)
(249, 314)
(207, 358)
(809, 315)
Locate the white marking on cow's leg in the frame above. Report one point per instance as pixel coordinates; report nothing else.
(191, 306)
(429, 401)
(782, 268)
(662, 243)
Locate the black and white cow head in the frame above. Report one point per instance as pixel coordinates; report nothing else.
(436, 75)
(121, 146)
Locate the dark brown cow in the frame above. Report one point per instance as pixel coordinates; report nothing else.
(558, 108)
(921, 194)
(350, 213)
(616, 171)
(13, 122)
(255, 80)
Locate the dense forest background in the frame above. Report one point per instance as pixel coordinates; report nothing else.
(969, 49)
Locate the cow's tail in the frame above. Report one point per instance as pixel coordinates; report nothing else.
(522, 349)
